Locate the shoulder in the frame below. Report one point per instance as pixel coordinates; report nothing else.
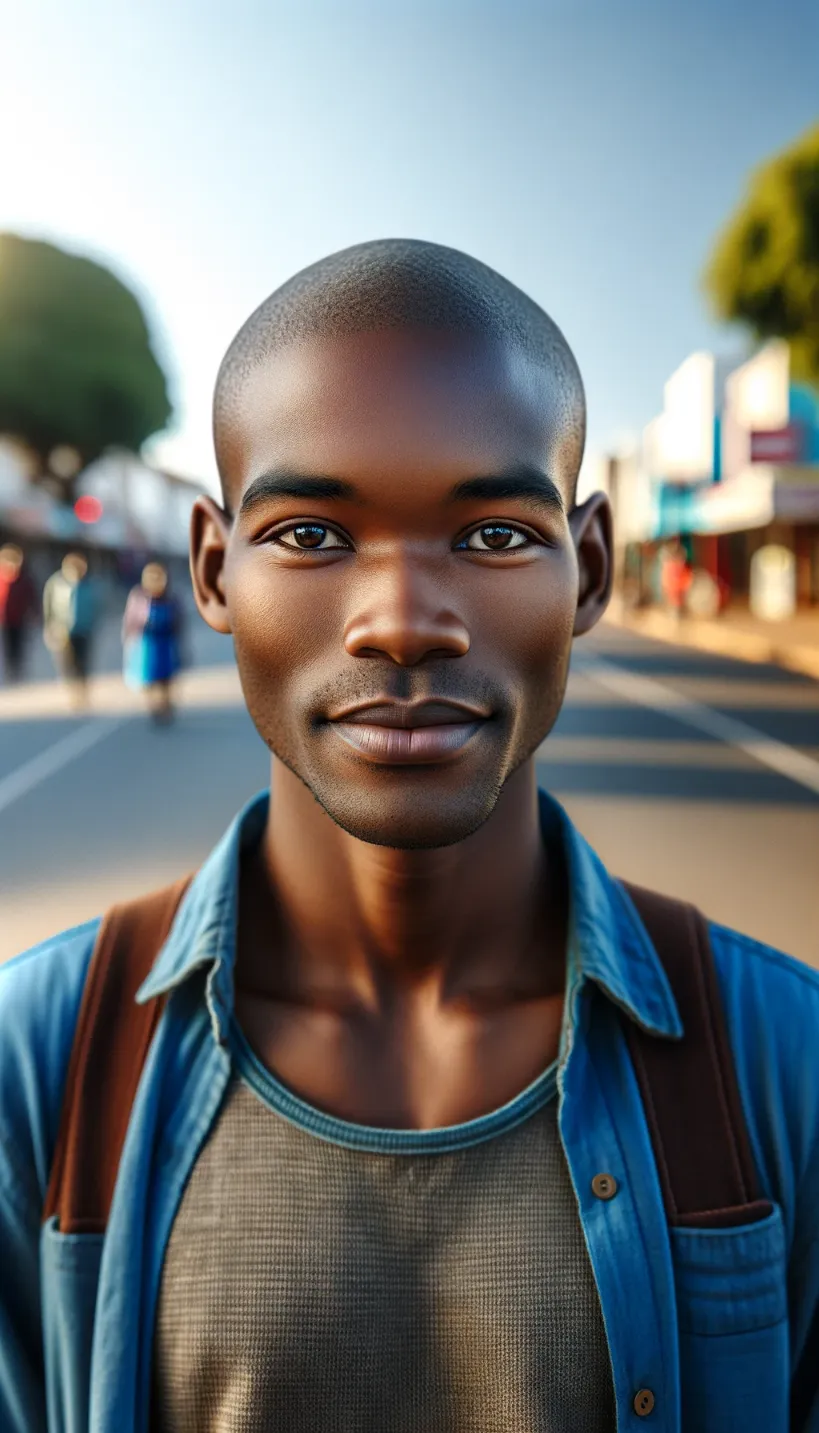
(40, 995)
(771, 1004)
(759, 977)
(61, 961)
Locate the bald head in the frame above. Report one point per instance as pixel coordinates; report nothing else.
(400, 284)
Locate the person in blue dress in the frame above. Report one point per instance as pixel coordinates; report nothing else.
(151, 631)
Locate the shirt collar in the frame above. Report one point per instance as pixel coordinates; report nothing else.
(203, 935)
(608, 942)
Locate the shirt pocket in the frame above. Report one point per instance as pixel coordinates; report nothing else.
(733, 1326)
(69, 1271)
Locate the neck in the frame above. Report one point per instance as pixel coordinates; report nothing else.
(328, 916)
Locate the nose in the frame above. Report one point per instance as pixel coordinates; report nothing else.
(405, 615)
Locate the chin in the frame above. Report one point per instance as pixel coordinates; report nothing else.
(409, 820)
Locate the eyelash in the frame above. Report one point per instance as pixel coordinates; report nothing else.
(460, 546)
(305, 551)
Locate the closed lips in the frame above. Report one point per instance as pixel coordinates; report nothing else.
(394, 733)
(411, 716)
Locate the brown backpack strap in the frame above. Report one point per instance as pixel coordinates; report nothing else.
(689, 1086)
(111, 1042)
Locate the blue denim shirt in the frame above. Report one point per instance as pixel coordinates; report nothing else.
(712, 1322)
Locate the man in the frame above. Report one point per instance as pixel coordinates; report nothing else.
(388, 1167)
(69, 617)
(18, 605)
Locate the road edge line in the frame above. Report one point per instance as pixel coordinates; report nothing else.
(39, 768)
(769, 751)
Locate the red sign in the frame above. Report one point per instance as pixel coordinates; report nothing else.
(778, 445)
(88, 509)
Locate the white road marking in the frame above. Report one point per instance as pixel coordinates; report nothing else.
(648, 692)
(18, 783)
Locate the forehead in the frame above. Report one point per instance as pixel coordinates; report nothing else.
(398, 403)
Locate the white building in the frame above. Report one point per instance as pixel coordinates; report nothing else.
(732, 463)
(137, 507)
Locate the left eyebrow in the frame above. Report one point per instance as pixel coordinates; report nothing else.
(294, 485)
(528, 483)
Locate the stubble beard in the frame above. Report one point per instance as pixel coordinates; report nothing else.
(420, 823)
(419, 820)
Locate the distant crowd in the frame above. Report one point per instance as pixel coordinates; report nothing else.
(68, 614)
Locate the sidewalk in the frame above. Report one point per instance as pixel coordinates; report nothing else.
(201, 687)
(793, 643)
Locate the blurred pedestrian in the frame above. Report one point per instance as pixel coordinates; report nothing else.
(675, 578)
(151, 635)
(18, 609)
(70, 610)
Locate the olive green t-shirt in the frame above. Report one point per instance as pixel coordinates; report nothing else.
(323, 1277)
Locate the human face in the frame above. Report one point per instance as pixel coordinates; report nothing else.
(11, 560)
(401, 576)
(154, 579)
(74, 567)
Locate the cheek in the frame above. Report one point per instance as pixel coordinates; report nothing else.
(280, 617)
(544, 628)
(532, 624)
(531, 616)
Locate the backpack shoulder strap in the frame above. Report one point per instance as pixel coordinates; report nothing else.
(111, 1041)
(689, 1087)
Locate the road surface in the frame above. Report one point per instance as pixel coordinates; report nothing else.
(693, 774)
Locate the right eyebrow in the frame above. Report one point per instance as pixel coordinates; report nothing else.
(523, 483)
(294, 485)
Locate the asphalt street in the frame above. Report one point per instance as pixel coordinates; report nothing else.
(690, 773)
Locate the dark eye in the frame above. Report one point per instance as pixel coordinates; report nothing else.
(312, 537)
(494, 537)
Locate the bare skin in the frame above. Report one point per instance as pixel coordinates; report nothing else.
(403, 646)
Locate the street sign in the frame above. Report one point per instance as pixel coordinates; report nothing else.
(778, 445)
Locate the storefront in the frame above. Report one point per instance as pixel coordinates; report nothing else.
(126, 514)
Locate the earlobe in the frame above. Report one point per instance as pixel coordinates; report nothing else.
(591, 525)
(210, 532)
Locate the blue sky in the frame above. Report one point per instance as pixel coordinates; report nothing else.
(587, 150)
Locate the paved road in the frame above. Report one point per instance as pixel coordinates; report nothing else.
(693, 774)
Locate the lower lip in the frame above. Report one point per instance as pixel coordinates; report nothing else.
(407, 746)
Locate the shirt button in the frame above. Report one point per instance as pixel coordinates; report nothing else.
(643, 1402)
(604, 1186)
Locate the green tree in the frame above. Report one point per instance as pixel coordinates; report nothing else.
(764, 271)
(77, 371)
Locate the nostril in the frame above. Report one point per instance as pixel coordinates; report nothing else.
(406, 643)
(406, 659)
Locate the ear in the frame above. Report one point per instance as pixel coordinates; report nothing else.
(591, 528)
(210, 533)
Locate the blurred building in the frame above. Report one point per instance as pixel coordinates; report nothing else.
(731, 465)
(125, 511)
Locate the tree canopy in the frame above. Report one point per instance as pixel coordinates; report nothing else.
(77, 370)
(764, 271)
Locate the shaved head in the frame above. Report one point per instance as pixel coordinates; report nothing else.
(404, 284)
